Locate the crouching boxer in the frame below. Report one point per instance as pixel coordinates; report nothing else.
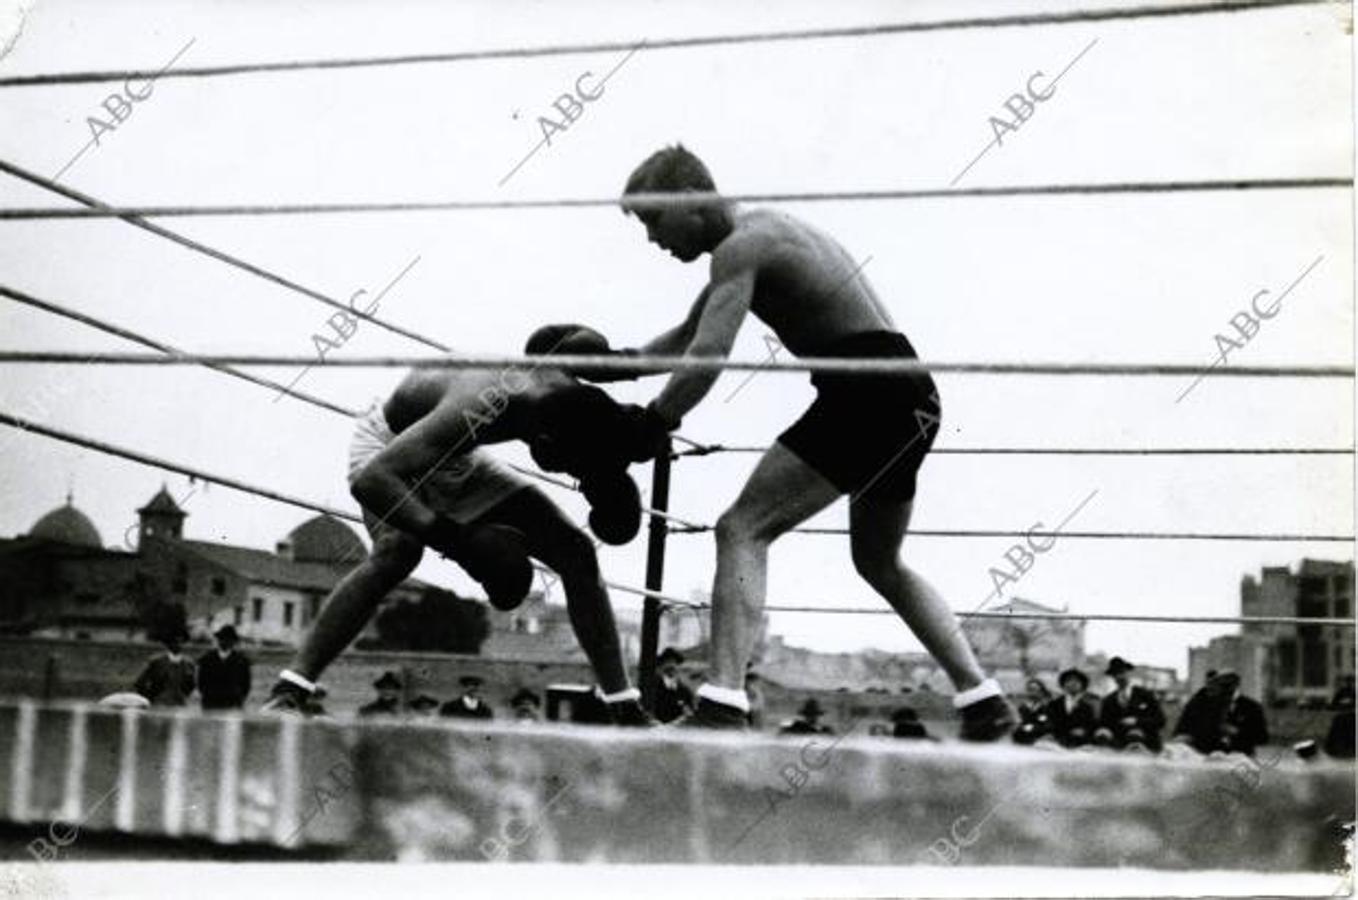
(417, 468)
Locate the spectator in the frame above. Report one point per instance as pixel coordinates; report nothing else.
(469, 705)
(526, 706)
(224, 672)
(673, 698)
(1339, 741)
(388, 702)
(1034, 723)
(423, 706)
(1072, 715)
(169, 678)
(1219, 718)
(808, 720)
(1130, 713)
(906, 724)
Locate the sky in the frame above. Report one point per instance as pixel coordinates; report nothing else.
(1153, 278)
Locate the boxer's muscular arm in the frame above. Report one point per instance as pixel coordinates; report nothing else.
(728, 301)
(675, 341)
(386, 486)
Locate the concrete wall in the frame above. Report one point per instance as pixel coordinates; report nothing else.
(461, 791)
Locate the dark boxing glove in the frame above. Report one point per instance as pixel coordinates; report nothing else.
(615, 506)
(580, 340)
(496, 556)
(646, 432)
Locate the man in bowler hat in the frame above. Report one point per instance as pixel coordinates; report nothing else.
(388, 702)
(469, 705)
(1131, 713)
(1072, 716)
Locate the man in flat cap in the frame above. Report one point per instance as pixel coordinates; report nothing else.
(1130, 713)
(224, 672)
(469, 705)
(388, 702)
(1072, 716)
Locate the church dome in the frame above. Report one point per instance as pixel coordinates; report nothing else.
(325, 539)
(67, 525)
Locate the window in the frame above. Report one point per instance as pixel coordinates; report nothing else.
(1341, 607)
(238, 616)
(1287, 662)
(219, 586)
(1314, 671)
(287, 612)
(313, 608)
(258, 611)
(180, 585)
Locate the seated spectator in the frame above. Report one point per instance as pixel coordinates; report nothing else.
(388, 702)
(906, 724)
(1034, 722)
(423, 706)
(1072, 716)
(469, 704)
(808, 720)
(1339, 741)
(1130, 713)
(526, 706)
(673, 698)
(169, 678)
(224, 672)
(1218, 719)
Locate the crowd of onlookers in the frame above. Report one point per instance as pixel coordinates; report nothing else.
(1218, 718)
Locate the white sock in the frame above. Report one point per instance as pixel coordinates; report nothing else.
(725, 696)
(983, 691)
(293, 678)
(623, 696)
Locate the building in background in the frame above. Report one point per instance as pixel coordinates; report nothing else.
(1287, 663)
(59, 580)
(1016, 649)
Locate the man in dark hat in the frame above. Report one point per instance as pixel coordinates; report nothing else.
(1072, 716)
(1131, 713)
(224, 672)
(1219, 718)
(469, 705)
(673, 698)
(906, 724)
(388, 702)
(808, 720)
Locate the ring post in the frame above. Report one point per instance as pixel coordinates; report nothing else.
(655, 574)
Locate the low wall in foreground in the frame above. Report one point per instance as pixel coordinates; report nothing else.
(455, 791)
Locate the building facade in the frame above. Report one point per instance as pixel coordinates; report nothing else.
(59, 580)
(1295, 663)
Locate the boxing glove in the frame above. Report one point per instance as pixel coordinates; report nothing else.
(646, 431)
(496, 556)
(615, 506)
(580, 340)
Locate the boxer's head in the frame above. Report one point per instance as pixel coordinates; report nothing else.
(686, 232)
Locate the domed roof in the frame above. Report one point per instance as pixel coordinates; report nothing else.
(325, 539)
(67, 525)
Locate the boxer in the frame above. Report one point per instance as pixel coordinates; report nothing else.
(417, 468)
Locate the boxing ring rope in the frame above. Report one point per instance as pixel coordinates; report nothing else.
(674, 43)
(687, 199)
(571, 363)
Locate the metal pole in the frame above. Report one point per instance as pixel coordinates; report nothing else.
(655, 575)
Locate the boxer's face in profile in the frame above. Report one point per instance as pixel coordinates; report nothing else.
(679, 231)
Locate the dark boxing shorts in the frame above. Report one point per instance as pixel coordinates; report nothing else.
(868, 434)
